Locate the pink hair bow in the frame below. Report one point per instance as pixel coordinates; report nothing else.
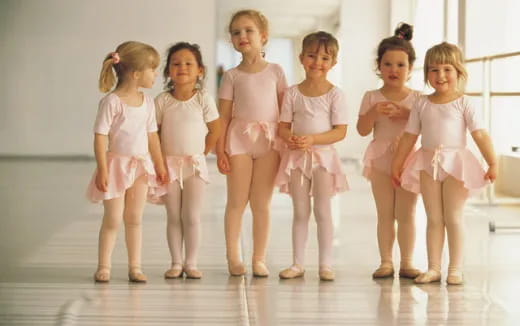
(115, 56)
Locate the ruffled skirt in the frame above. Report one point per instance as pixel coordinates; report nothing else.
(459, 163)
(123, 170)
(307, 161)
(180, 168)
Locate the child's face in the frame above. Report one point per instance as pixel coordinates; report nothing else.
(316, 61)
(246, 36)
(147, 77)
(184, 68)
(443, 77)
(394, 68)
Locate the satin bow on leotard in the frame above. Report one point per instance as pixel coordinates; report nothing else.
(254, 129)
(436, 160)
(193, 160)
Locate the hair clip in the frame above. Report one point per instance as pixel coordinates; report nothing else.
(115, 57)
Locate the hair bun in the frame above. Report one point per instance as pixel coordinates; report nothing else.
(404, 31)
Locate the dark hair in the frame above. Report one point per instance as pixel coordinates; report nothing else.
(193, 48)
(400, 41)
(321, 38)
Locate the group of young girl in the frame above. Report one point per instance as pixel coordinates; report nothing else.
(266, 134)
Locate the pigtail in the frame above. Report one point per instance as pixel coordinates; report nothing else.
(107, 77)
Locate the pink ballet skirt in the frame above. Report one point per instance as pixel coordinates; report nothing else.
(379, 155)
(252, 137)
(123, 170)
(460, 163)
(180, 168)
(307, 161)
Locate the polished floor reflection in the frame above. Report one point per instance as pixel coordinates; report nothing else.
(48, 244)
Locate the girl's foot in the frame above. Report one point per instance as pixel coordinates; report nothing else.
(259, 269)
(174, 272)
(192, 272)
(102, 274)
(326, 273)
(383, 271)
(409, 272)
(136, 275)
(292, 272)
(455, 278)
(236, 268)
(428, 277)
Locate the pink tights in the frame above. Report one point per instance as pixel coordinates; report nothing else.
(393, 205)
(322, 191)
(183, 207)
(444, 203)
(128, 208)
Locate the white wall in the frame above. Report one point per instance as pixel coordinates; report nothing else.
(363, 25)
(51, 56)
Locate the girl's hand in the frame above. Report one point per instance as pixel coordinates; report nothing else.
(304, 142)
(383, 108)
(396, 177)
(398, 112)
(491, 173)
(223, 164)
(292, 142)
(162, 174)
(102, 181)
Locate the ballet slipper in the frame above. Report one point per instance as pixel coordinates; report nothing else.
(236, 269)
(192, 272)
(428, 277)
(135, 275)
(259, 269)
(383, 271)
(409, 272)
(455, 278)
(326, 274)
(174, 272)
(102, 274)
(292, 272)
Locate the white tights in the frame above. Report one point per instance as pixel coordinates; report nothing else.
(393, 205)
(444, 203)
(128, 208)
(322, 191)
(183, 207)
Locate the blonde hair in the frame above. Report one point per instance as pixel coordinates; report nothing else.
(129, 57)
(321, 38)
(259, 19)
(446, 53)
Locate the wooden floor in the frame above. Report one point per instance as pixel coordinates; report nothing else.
(48, 254)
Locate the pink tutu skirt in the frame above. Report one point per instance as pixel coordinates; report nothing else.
(180, 168)
(306, 161)
(252, 137)
(460, 163)
(122, 172)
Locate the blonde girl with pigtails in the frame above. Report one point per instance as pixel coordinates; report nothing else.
(127, 151)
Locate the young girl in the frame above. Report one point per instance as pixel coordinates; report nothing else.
(443, 170)
(249, 100)
(313, 118)
(384, 112)
(188, 122)
(126, 123)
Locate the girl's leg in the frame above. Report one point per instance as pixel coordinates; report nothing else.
(301, 213)
(384, 197)
(432, 197)
(238, 187)
(322, 191)
(174, 229)
(262, 186)
(135, 199)
(192, 199)
(454, 197)
(112, 217)
(405, 203)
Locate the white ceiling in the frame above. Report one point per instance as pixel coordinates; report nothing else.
(287, 18)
